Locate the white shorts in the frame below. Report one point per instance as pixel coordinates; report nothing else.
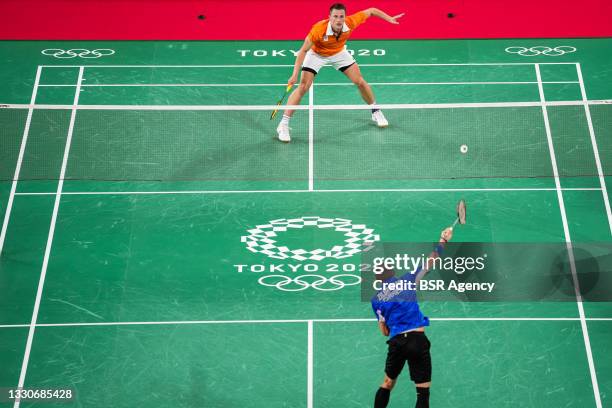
(313, 61)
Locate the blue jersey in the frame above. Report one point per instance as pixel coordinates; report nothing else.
(399, 308)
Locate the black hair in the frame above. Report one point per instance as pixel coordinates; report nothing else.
(386, 274)
(337, 6)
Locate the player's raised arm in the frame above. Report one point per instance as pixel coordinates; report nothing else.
(299, 60)
(445, 236)
(381, 14)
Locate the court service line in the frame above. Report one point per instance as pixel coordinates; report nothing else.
(568, 240)
(306, 107)
(301, 321)
(602, 180)
(43, 273)
(24, 141)
(212, 85)
(372, 190)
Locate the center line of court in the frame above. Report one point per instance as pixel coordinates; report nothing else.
(310, 374)
(311, 139)
(43, 273)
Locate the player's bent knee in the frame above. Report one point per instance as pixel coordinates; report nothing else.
(304, 87)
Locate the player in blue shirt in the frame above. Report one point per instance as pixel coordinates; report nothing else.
(400, 318)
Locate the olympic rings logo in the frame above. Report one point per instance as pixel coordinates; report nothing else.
(77, 52)
(296, 284)
(541, 50)
(358, 238)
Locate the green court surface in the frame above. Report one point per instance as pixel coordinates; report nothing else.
(125, 272)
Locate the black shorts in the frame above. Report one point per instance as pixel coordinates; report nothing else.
(413, 348)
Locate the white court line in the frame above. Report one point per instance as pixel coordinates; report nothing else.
(301, 321)
(453, 83)
(306, 107)
(43, 273)
(372, 190)
(311, 139)
(568, 240)
(314, 84)
(602, 181)
(24, 140)
(290, 66)
(310, 370)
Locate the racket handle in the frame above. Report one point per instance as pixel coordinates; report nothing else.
(455, 223)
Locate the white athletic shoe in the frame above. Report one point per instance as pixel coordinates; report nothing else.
(283, 133)
(380, 119)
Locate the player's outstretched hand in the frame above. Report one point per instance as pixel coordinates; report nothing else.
(447, 234)
(395, 18)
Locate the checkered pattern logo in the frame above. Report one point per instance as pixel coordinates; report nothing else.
(359, 238)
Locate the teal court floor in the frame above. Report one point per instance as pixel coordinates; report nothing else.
(133, 173)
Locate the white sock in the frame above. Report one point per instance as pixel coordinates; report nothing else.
(285, 120)
(374, 107)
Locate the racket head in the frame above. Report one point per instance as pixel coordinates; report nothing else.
(461, 212)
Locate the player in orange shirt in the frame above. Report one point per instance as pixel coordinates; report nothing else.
(325, 44)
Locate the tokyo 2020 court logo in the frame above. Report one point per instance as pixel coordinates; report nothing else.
(264, 239)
